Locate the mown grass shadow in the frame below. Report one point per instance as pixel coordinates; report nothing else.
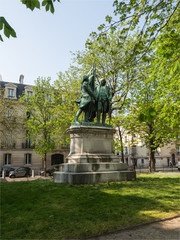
(57, 211)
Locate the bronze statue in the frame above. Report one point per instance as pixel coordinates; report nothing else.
(87, 100)
(104, 97)
(93, 100)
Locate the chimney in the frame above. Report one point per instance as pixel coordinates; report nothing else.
(1, 78)
(21, 79)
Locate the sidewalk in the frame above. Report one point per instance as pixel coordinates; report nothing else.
(7, 179)
(165, 229)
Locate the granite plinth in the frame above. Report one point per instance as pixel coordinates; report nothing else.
(91, 158)
(93, 177)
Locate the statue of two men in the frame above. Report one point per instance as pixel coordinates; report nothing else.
(94, 101)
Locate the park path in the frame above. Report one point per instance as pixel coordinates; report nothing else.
(161, 230)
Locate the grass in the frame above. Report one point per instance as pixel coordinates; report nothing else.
(42, 209)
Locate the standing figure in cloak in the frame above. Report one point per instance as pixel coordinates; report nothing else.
(104, 97)
(87, 100)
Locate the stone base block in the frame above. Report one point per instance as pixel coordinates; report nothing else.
(92, 167)
(92, 158)
(93, 177)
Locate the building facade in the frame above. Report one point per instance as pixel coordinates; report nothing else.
(16, 150)
(137, 154)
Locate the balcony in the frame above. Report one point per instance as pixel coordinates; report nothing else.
(5, 145)
(27, 145)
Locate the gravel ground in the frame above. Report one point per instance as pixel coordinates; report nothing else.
(165, 229)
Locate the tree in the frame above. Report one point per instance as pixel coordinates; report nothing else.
(68, 91)
(31, 4)
(111, 63)
(154, 86)
(41, 117)
(154, 102)
(118, 141)
(146, 18)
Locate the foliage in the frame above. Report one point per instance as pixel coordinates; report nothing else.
(146, 18)
(154, 101)
(41, 209)
(41, 118)
(111, 63)
(68, 88)
(31, 4)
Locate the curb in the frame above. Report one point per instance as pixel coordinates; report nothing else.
(119, 230)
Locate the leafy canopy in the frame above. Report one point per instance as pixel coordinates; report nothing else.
(31, 4)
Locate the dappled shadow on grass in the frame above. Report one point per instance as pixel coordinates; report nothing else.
(42, 209)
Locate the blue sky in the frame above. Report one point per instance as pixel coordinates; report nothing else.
(44, 40)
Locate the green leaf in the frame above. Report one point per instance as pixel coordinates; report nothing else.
(152, 111)
(13, 33)
(52, 8)
(6, 32)
(37, 4)
(1, 38)
(44, 3)
(1, 23)
(142, 117)
(47, 7)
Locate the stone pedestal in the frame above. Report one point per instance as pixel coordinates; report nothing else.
(91, 158)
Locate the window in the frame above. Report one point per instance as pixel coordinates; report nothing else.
(178, 149)
(125, 150)
(29, 94)
(48, 97)
(28, 158)
(10, 93)
(28, 115)
(9, 114)
(156, 153)
(7, 159)
(134, 150)
(9, 139)
(28, 140)
(142, 161)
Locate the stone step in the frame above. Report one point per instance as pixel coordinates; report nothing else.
(92, 167)
(93, 177)
(92, 158)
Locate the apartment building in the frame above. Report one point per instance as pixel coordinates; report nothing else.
(138, 154)
(16, 149)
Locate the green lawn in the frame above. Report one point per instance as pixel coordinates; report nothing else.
(42, 209)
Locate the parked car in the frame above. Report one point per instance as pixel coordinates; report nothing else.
(50, 171)
(20, 172)
(7, 170)
(178, 165)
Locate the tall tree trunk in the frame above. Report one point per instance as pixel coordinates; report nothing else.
(150, 160)
(45, 163)
(153, 162)
(134, 163)
(151, 148)
(121, 143)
